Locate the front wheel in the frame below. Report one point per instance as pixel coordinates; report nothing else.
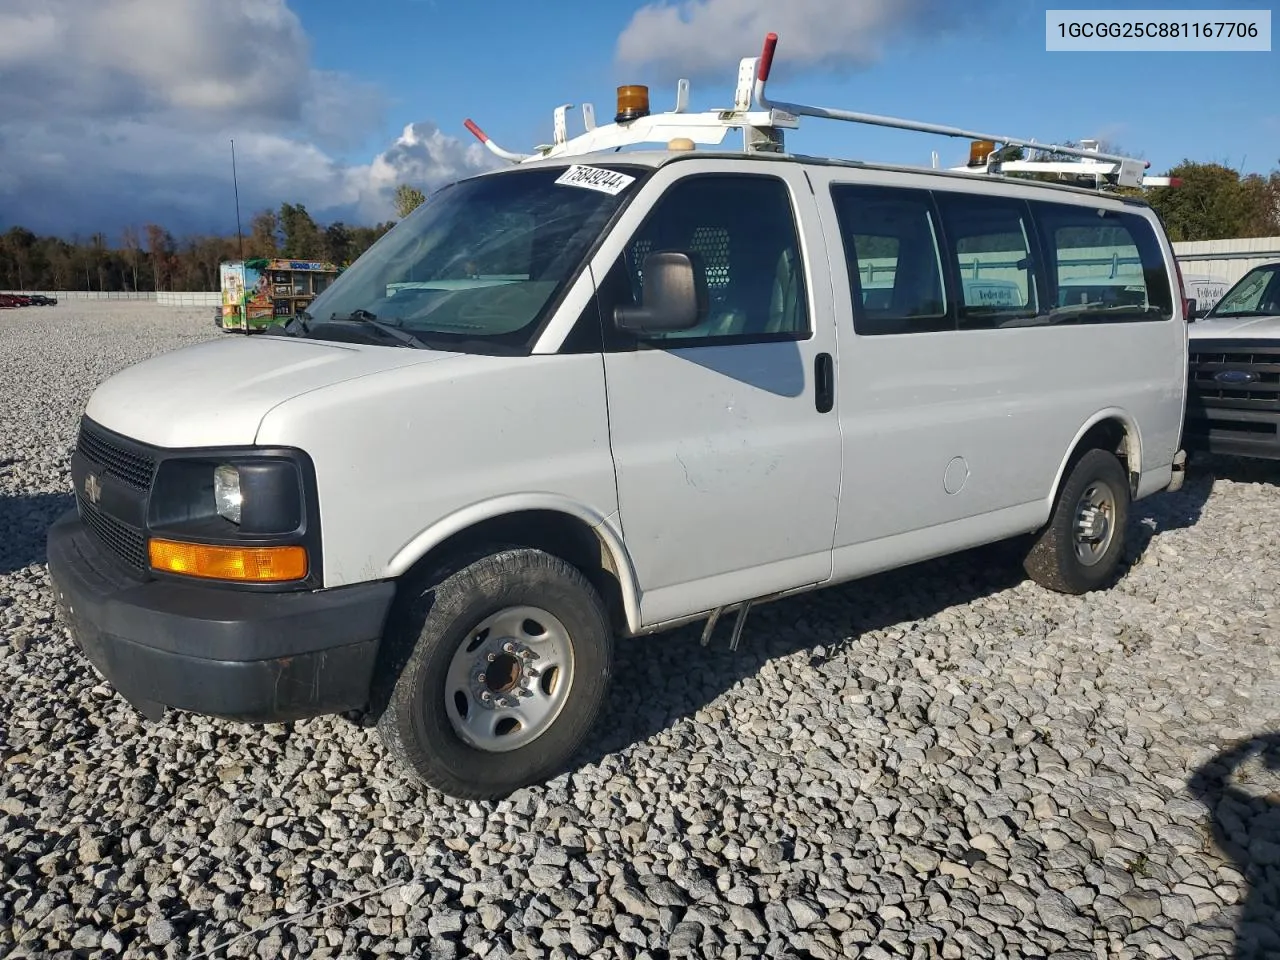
(506, 663)
(1080, 548)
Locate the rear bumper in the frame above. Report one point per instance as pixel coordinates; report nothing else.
(254, 657)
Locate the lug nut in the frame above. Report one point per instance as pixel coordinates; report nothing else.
(509, 647)
(486, 696)
(492, 657)
(480, 679)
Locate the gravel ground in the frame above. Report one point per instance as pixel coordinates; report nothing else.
(943, 761)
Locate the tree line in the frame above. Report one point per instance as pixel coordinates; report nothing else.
(1214, 202)
(151, 258)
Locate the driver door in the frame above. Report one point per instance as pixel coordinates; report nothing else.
(726, 446)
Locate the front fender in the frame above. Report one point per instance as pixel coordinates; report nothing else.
(476, 513)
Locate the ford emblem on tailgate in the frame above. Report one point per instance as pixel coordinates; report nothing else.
(1235, 376)
(93, 488)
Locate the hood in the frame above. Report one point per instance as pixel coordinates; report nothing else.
(217, 392)
(1261, 328)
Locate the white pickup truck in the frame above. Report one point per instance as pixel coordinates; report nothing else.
(1233, 401)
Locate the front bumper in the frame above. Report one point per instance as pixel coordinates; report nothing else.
(1240, 433)
(239, 655)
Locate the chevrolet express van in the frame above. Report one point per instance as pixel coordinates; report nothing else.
(602, 394)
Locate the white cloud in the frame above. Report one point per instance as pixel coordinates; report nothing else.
(701, 37)
(121, 111)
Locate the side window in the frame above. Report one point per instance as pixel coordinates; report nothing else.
(1106, 266)
(891, 248)
(991, 248)
(742, 233)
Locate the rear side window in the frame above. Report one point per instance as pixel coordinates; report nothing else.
(991, 248)
(890, 239)
(1106, 266)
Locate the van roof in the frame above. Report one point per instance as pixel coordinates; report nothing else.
(656, 158)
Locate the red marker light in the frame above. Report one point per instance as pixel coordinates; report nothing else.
(476, 131)
(766, 57)
(1175, 181)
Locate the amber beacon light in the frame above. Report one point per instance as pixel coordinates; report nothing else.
(633, 103)
(245, 564)
(979, 151)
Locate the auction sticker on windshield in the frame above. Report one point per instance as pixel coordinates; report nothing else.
(595, 178)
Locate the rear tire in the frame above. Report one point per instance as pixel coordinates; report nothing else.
(1080, 548)
(505, 664)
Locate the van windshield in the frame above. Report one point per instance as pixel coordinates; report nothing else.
(477, 266)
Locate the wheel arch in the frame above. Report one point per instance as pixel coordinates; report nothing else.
(1113, 430)
(557, 524)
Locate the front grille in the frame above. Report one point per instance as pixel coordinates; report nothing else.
(128, 544)
(1261, 361)
(1233, 392)
(127, 466)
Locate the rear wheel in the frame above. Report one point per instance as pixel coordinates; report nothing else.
(505, 666)
(1080, 548)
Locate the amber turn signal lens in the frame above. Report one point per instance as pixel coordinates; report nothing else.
(247, 564)
(633, 103)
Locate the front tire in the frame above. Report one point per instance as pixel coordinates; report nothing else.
(506, 663)
(1080, 548)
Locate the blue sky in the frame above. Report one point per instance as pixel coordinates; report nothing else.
(510, 66)
(120, 111)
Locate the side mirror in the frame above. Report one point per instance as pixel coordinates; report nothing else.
(674, 296)
(1193, 311)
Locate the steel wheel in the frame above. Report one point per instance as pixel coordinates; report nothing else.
(508, 682)
(1095, 526)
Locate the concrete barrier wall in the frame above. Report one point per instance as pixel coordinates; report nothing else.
(193, 299)
(167, 298)
(87, 294)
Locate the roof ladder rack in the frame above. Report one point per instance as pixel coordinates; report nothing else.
(764, 121)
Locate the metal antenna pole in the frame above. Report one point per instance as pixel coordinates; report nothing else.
(236, 183)
(239, 235)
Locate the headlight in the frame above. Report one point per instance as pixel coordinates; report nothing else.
(226, 492)
(245, 496)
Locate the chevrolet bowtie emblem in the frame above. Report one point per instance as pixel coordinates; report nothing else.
(93, 488)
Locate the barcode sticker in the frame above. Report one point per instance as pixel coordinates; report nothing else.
(595, 178)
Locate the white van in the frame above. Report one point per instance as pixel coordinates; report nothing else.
(604, 394)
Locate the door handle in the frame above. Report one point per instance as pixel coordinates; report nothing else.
(824, 393)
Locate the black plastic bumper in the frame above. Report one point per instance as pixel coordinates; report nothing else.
(1241, 433)
(255, 657)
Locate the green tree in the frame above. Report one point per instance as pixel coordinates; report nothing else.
(336, 247)
(264, 235)
(408, 199)
(1212, 203)
(302, 239)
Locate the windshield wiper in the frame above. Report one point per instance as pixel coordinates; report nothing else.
(365, 317)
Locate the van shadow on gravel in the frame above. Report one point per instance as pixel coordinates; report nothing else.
(661, 679)
(1246, 828)
(24, 521)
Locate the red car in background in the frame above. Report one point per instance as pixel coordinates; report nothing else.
(11, 300)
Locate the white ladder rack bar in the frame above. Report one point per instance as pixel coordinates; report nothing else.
(827, 113)
(762, 129)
